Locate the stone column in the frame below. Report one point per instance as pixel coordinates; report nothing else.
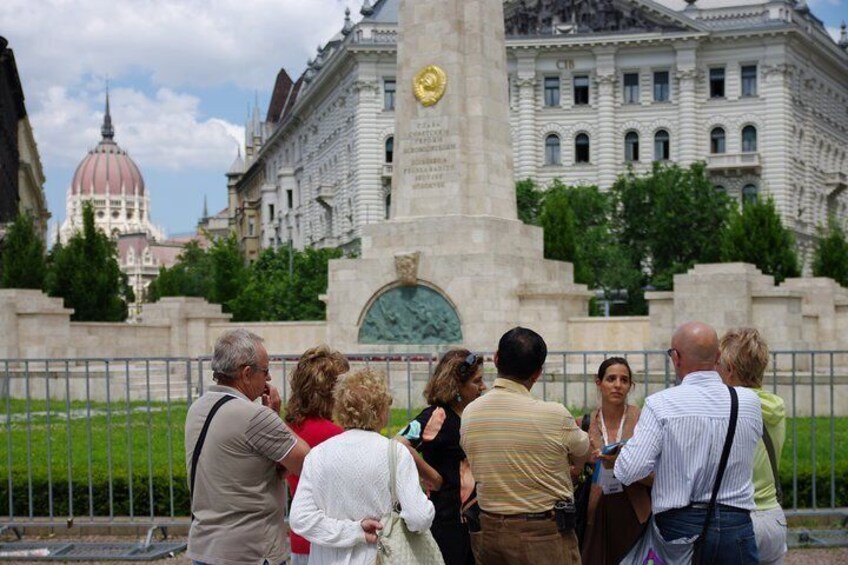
(527, 146)
(368, 150)
(687, 138)
(773, 135)
(604, 146)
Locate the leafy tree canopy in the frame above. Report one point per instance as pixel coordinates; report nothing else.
(756, 235)
(23, 260)
(85, 273)
(830, 258)
(528, 198)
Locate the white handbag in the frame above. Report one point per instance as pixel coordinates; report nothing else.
(396, 543)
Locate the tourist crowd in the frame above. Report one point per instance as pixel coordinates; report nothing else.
(488, 476)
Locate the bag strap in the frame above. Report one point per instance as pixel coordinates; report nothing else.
(722, 465)
(195, 456)
(773, 460)
(393, 470)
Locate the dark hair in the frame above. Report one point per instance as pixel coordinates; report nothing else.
(521, 353)
(451, 372)
(609, 362)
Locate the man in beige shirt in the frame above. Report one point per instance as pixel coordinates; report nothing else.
(238, 492)
(521, 450)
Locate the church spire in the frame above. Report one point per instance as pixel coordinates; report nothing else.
(107, 130)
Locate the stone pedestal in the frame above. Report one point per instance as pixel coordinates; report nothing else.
(189, 319)
(33, 325)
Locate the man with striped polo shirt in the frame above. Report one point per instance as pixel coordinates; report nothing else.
(680, 438)
(520, 450)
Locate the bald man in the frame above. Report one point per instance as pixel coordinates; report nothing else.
(680, 437)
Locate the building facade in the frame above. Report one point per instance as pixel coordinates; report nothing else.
(756, 90)
(21, 174)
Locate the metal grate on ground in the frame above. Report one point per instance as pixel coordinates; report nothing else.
(87, 551)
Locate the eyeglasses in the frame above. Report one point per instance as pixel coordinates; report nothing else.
(265, 370)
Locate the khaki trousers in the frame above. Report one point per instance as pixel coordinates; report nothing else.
(516, 541)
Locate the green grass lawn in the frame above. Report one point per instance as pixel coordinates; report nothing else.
(146, 442)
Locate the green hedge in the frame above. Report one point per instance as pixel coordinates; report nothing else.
(99, 500)
(162, 485)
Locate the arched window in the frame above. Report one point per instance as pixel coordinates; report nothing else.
(720, 188)
(631, 146)
(390, 149)
(581, 148)
(749, 194)
(717, 140)
(749, 139)
(662, 146)
(552, 150)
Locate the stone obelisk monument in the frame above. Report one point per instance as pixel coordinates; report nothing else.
(453, 265)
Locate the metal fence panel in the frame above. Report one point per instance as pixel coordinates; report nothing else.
(103, 438)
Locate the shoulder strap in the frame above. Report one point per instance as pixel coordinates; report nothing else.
(773, 460)
(722, 465)
(195, 456)
(393, 470)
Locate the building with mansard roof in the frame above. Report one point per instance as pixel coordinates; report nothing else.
(756, 89)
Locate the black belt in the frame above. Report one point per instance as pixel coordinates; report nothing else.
(529, 516)
(722, 507)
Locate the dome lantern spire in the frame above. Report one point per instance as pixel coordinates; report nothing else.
(107, 130)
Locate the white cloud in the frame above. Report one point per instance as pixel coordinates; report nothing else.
(165, 131)
(190, 42)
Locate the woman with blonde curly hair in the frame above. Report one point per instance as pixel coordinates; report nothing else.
(344, 485)
(456, 382)
(309, 414)
(743, 361)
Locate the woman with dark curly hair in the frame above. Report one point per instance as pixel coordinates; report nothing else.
(309, 414)
(456, 382)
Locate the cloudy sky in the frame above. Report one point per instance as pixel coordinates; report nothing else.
(182, 73)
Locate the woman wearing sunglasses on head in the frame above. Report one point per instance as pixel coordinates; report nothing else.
(456, 382)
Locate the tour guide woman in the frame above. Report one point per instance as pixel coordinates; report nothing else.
(616, 513)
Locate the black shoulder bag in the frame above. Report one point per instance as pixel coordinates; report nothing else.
(195, 456)
(725, 455)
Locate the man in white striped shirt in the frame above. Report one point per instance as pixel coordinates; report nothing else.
(679, 438)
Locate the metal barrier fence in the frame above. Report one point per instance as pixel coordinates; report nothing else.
(101, 440)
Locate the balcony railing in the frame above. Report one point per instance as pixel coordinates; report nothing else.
(733, 162)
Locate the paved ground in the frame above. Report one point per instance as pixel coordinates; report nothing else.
(837, 556)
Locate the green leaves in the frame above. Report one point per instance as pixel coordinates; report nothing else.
(85, 273)
(756, 235)
(23, 262)
(830, 258)
(263, 290)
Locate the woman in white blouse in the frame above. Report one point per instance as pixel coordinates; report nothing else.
(344, 486)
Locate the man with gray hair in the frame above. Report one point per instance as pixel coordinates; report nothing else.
(234, 449)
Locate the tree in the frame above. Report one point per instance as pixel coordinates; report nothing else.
(85, 273)
(217, 274)
(271, 294)
(577, 229)
(667, 221)
(23, 264)
(756, 235)
(528, 200)
(830, 258)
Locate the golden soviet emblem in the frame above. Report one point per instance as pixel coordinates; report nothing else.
(429, 85)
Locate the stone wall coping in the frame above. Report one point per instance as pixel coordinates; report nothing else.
(777, 292)
(552, 290)
(659, 295)
(119, 325)
(235, 325)
(611, 319)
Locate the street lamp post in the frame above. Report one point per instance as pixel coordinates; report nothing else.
(291, 252)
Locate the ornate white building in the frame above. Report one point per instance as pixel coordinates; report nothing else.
(757, 90)
(109, 179)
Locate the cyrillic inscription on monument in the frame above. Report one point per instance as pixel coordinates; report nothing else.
(429, 153)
